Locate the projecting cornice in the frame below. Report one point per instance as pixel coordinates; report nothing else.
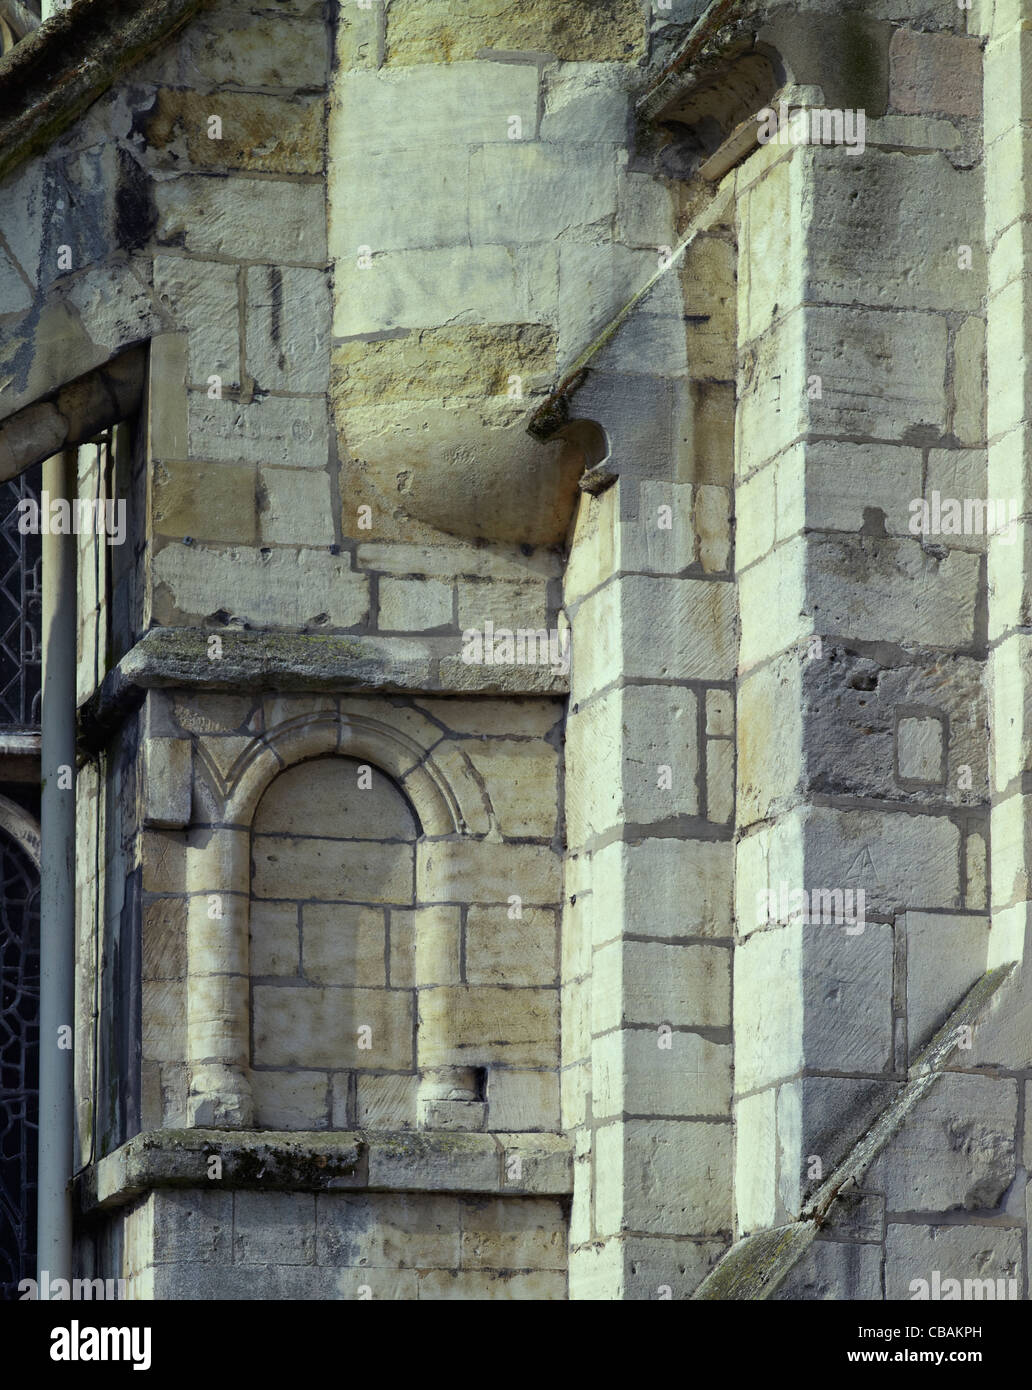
(53, 75)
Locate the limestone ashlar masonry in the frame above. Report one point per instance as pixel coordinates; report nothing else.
(446, 326)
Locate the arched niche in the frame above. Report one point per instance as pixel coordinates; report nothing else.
(445, 805)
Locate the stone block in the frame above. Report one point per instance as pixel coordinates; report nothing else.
(385, 1102)
(194, 1226)
(894, 590)
(833, 1270)
(642, 888)
(203, 296)
(429, 31)
(969, 392)
(632, 757)
(288, 325)
(419, 288)
(956, 1150)
(258, 50)
(504, 950)
(652, 1071)
(720, 713)
(294, 507)
(426, 946)
(253, 219)
(503, 1233)
(380, 1231)
(586, 96)
(526, 193)
(756, 1162)
(652, 982)
(920, 1259)
(847, 998)
(312, 1027)
(946, 954)
(168, 782)
(669, 1177)
(463, 1026)
(432, 183)
(259, 132)
(343, 945)
(335, 798)
(475, 1285)
(269, 430)
(415, 605)
(899, 861)
(819, 1119)
(891, 199)
(665, 1268)
(935, 73)
(275, 943)
(656, 629)
(221, 508)
(472, 871)
(334, 870)
(523, 1101)
(274, 1227)
(881, 374)
(163, 1009)
(290, 1099)
(769, 1013)
(834, 485)
(449, 104)
(521, 780)
(164, 939)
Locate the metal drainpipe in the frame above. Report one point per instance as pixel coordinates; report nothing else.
(57, 886)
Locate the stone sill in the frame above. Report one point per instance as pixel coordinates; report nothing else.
(177, 657)
(330, 1161)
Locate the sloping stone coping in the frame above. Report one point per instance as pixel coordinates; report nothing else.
(755, 1267)
(324, 1161)
(53, 75)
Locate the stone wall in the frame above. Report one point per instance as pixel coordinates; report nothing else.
(505, 320)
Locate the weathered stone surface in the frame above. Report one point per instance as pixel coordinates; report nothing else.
(668, 1175)
(832, 1270)
(946, 954)
(475, 1026)
(654, 983)
(270, 430)
(257, 219)
(316, 1027)
(935, 73)
(288, 325)
(455, 103)
(259, 132)
(969, 1254)
(456, 361)
(258, 50)
(955, 1151)
(421, 32)
(269, 588)
(218, 506)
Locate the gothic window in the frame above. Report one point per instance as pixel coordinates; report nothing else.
(19, 1057)
(20, 693)
(20, 607)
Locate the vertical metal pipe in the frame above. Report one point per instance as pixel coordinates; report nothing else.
(57, 882)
